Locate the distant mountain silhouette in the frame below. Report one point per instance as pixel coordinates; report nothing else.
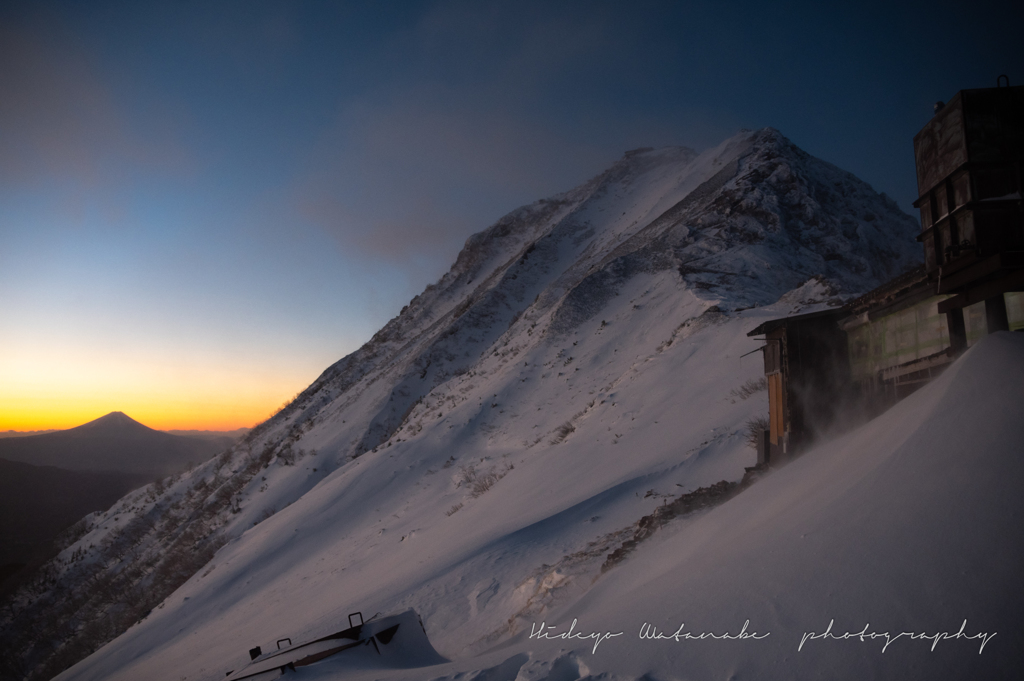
(113, 443)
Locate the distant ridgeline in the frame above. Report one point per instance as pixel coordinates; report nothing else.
(884, 345)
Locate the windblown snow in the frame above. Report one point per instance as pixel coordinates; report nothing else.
(579, 365)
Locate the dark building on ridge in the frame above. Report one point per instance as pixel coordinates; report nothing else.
(969, 172)
(887, 343)
(897, 338)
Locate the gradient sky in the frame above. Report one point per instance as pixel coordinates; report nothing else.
(205, 204)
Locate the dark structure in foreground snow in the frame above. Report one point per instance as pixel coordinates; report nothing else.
(808, 372)
(884, 345)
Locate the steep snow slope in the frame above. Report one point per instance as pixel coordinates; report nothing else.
(901, 539)
(483, 453)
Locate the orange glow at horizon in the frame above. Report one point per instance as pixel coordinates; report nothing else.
(40, 393)
(53, 415)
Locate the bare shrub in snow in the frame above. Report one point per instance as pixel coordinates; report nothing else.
(751, 387)
(563, 431)
(483, 483)
(224, 458)
(478, 482)
(287, 456)
(267, 513)
(755, 427)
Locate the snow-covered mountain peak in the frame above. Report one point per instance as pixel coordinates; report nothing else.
(479, 457)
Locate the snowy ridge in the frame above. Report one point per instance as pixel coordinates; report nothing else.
(744, 222)
(479, 458)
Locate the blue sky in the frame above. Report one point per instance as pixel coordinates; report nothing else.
(204, 204)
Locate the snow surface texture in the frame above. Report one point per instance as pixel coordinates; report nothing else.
(481, 456)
